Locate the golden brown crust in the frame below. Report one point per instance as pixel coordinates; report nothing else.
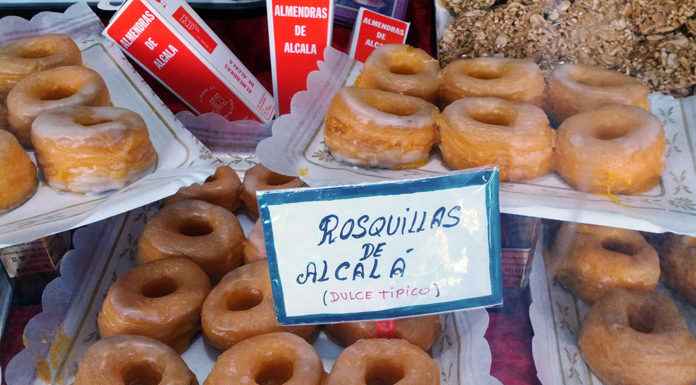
(420, 331)
(678, 262)
(260, 178)
(18, 178)
(222, 189)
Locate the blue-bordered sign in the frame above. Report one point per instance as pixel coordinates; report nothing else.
(384, 250)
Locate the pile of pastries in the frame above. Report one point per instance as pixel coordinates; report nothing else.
(632, 335)
(497, 111)
(50, 103)
(197, 271)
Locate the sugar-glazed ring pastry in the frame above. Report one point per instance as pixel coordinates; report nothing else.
(382, 361)
(611, 150)
(255, 245)
(18, 179)
(511, 79)
(593, 260)
(276, 358)
(241, 306)
(208, 235)
(375, 128)
(50, 90)
(678, 261)
(222, 189)
(259, 178)
(631, 338)
(22, 57)
(575, 88)
(516, 137)
(92, 149)
(420, 331)
(401, 69)
(161, 300)
(132, 360)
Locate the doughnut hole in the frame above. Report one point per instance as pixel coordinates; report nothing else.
(404, 64)
(158, 288)
(279, 179)
(642, 319)
(484, 72)
(500, 116)
(35, 52)
(620, 247)
(195, 227)
(245, 298)
(90, 120)
(142, 373)
(56, 92)
(598, 78)
(384, 372)
(275, 372)
(388, 105)
(610, 132)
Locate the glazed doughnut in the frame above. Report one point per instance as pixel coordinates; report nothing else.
(22, 57)
(132, 360)
(18, 178)
(633, 338)
(420, 331)
(161, 300)
(269, 359)
(241, 306)
(255, 245)
(612, 150)
(50, 90)
(382, 361)
(375, 128)
(516, 137)
(678, 262)
(259, 178)
(401, 69)
(593, 260)
(575, 88)
(511, 79)
(208, 235)
(222, 189)
(92, 149)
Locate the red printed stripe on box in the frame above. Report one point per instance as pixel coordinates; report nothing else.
(150, 42)
(372, 30)
(189, 23)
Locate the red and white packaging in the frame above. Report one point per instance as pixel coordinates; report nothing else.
(373, 30)
(169, 40)
(298, 31)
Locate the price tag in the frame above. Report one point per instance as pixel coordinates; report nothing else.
(385, 250)
(298, 30)
(373, 30)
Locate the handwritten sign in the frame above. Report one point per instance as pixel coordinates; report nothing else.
(373, 30)
(298, 30)
(384, 250)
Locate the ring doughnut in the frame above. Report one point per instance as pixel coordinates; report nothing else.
(276, 358)
(593, 260)
(92, 149)
(18, 178)
(208, 235)
(382, 361)
(259, 178)
(420, 331)
(517, 137)
(161, 300)
(255, 245)
(241, 306)
(50, 90)
(376, 128)
(575, 88)
(222, 189)
(22, 57)
(401, 69)
(678, 262)
(131, 360)
(510, 79)
(612, 150)
(633, 338)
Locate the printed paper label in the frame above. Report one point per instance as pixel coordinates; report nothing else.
(298, 33)
(386, 250)
(373, 30)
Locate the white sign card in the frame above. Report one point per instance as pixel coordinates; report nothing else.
(384, 250)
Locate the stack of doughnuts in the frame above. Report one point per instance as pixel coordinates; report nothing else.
(632, 334)
(197, 272)
(496, 111)
(62, 110)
